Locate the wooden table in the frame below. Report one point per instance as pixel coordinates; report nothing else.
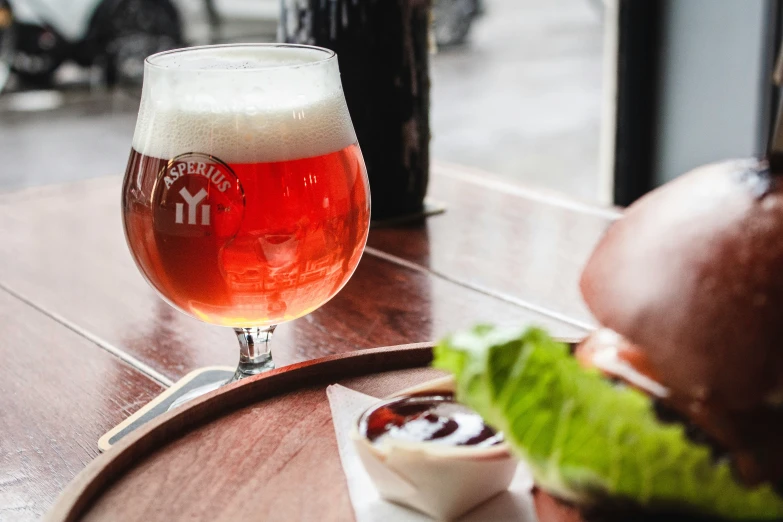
(84, 341)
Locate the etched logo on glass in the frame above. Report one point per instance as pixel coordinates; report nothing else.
(197, 195)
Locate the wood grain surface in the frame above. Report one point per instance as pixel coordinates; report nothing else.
(524, 246)
(87, 278)
(261, 449)
(58, 393)
(85, 340)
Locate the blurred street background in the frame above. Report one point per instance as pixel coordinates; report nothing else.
(520, 96)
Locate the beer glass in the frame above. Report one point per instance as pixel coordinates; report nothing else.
(245, 201)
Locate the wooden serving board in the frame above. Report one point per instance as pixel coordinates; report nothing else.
(260, 449)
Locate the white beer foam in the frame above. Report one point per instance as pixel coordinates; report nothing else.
(244, 107)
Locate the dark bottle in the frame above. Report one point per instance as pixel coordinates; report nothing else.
(383, 52)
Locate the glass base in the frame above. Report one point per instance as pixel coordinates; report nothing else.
(255, 357)
(261, 364)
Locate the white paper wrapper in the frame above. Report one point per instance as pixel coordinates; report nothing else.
(514, 505)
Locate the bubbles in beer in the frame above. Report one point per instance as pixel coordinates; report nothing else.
(253, 117)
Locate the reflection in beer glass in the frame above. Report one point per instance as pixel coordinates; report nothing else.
(245, 200)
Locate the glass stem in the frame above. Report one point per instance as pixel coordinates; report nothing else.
(255, 355)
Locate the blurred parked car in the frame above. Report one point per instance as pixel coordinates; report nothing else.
(452, 20)
(116, 35)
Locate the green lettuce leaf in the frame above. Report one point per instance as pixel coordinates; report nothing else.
(584, 438)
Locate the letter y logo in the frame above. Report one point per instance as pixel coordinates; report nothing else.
(192, 202)
(197, 196)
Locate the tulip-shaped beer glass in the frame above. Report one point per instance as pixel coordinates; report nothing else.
(245, 201)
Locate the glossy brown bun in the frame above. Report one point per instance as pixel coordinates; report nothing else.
(693, 275)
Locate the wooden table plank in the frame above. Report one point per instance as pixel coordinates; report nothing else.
(525, 246)
(64, 250)
(58, 393)
(276, 455)
(73, 306)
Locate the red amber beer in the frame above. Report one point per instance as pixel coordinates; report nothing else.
(248, 209)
